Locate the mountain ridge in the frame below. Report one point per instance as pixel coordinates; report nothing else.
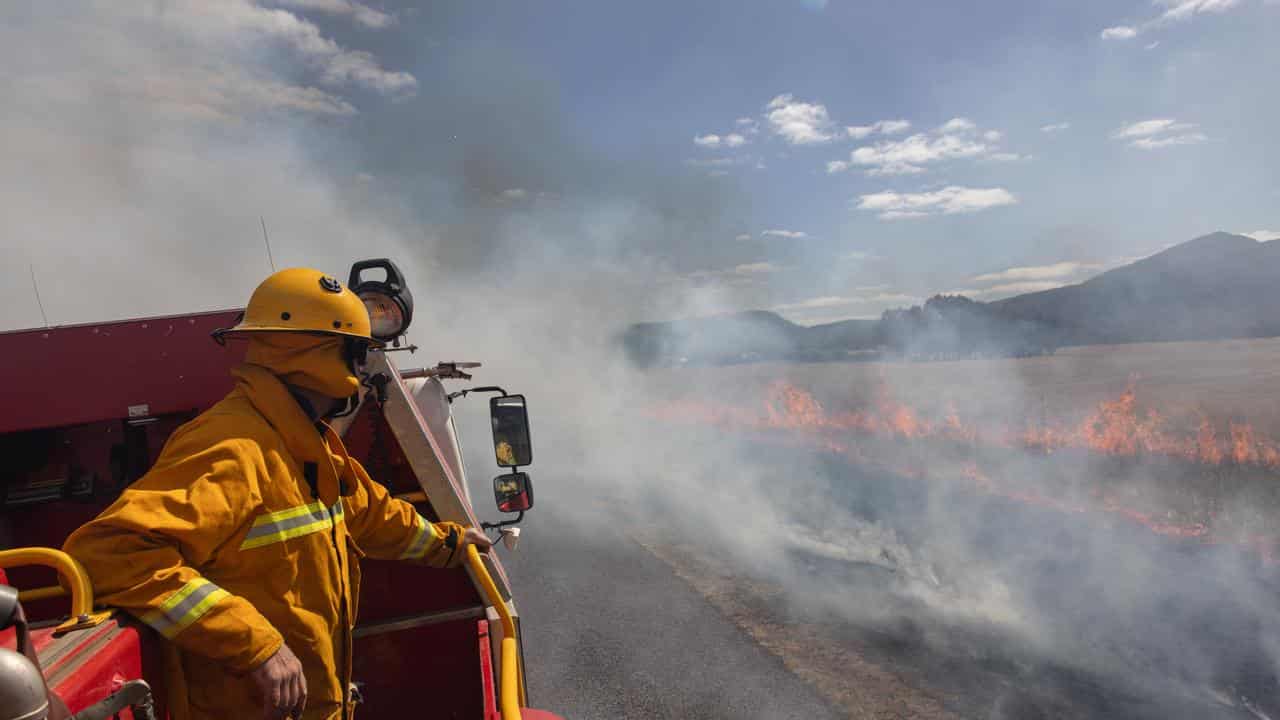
(1216, 286)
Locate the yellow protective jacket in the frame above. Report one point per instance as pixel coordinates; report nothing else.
(223, 548)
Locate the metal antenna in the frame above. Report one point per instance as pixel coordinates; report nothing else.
(39, 302)
(267, 240)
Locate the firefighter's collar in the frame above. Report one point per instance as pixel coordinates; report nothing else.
(272, 399)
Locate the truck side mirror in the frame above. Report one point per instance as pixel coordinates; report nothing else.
(510, 420)
(513, 492)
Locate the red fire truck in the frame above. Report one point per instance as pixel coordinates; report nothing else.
(87, 410)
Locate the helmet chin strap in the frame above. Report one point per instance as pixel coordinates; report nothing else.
(336, 408)
(375, 384)
(348, 406)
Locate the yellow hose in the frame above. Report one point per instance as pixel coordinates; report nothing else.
(71, 572)
(509, 674)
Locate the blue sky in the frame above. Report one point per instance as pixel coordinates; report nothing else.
(828, 160)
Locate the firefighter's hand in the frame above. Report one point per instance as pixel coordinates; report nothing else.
(281, 684)
(476, 537)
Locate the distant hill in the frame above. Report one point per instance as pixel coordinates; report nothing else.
(1214, 287)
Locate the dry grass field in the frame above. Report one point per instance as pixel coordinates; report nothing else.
(1181, 437)
(1234, 380)
(1108, 440)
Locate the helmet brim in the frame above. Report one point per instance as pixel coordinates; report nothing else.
(221, 334)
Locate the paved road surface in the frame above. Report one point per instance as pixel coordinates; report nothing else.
(611, 633)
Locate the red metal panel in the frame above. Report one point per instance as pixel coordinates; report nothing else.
(424, 672)
(83, 373)
(40, 639)
(390, 589)
(100, 668)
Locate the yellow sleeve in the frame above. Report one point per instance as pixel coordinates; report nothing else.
(142, 552)
(391, 529)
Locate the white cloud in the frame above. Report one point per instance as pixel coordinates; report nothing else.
(1013, 288)
(884, 127)
(1183, 9)
(1120, 32)
(905, 157)
(831, 301)
(362, 14)
(234, 21)
(514, 194)
(1144, 128)
(1263, 235)
(227, 93)
(712, 140)
(361, 68)
(950, 200)
(738, 275)
(1053, 271)
(719, 162)
(826, 301)
(219, 76)
(758, 268)
(789, 234)
(1006, 157)
(799, 123)
(958, 125)
(894, 127)
(1152, 45)
(1194, 138)
(958, 138)
(1056, 127)
(743, 237)
(1174, 11)
(861, 303)
(1159, 133)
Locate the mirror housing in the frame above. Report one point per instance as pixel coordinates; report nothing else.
(510, 420)
(513, 492)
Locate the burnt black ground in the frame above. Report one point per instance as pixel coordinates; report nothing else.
(1127, 623)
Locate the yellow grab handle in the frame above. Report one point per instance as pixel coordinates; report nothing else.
(509, 692)
(69, 569)
(44, 593)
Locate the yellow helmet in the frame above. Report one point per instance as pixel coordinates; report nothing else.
(303, 300)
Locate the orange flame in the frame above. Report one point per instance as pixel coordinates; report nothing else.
(1117, 427)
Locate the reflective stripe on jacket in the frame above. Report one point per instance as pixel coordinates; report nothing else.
(224, 549)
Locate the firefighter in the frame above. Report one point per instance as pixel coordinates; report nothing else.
(241, 545)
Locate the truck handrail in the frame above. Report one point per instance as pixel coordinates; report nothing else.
(509, 673)
(68, 568)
